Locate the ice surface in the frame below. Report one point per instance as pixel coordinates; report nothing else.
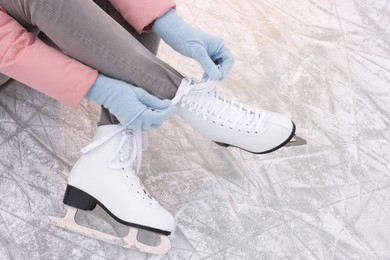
(325, 64)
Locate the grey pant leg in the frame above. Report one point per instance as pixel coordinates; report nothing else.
(149, 40)
(87, 33)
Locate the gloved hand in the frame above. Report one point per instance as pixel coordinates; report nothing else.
(134, 107)
(208, 50)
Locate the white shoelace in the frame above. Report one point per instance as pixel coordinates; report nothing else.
(129, 150)
(203, 98)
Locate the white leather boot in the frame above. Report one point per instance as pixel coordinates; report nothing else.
(228, 122)
(106, 174)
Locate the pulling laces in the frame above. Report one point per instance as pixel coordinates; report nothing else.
(129, 149)
(203, 99)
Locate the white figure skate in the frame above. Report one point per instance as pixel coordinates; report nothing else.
(228, 122)
(112, 182)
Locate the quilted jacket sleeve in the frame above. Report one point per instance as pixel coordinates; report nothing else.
(141, 13)
(27, 59)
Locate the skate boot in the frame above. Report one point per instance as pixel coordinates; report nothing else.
(228, 122)
(106, 174)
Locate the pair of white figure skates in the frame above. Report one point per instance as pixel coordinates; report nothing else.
(107, 172)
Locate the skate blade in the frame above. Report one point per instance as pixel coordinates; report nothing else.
(296, 141)
(130, 241)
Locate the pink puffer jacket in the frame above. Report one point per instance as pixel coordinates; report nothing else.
(27, 59)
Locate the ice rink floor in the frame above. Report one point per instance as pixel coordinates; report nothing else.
(325, 64)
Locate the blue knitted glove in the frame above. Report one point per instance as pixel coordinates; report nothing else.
(134, 107)
(208, 50)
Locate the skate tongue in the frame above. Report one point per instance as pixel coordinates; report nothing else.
(192, 85)
(102, 140)
(136, 140)
(131, 147)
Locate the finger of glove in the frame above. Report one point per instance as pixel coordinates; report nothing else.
(146, 126)
(129, 117)
(157, 116)
(152, 101)
(225, 60)
(201, 55)
(151, 127)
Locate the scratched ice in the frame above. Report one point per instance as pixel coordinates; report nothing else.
(325, 64)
